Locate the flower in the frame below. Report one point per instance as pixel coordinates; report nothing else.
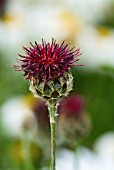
(46, 66)
(72, 106)
(47, 61)
(73, 121)
(18, 118)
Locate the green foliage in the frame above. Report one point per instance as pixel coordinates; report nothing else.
(98, 89)
(11, 83)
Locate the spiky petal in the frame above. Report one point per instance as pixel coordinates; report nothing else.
(47, 61)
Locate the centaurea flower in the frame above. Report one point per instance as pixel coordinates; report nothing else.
(46, 66)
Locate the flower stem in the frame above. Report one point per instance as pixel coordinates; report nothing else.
(52, 107)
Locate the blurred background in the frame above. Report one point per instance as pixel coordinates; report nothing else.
(85, 138)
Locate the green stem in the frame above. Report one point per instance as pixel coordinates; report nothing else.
(52, 107)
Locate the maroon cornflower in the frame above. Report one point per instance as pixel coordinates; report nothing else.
(73, 121)
(72, 106)
(47, 61)
(46, 66)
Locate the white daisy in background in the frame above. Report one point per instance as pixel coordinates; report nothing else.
(104, 146)
(69, 20)
(83, 159)
(97, 42)
(27, 23)
(88, 10)
(17, 118)
(98, 49)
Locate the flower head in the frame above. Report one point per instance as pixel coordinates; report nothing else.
(72, 106)
(73, 121)
(47, 61)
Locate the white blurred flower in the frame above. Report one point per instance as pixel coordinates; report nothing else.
(89, 10)
(25, 23)
(97, 48)
(83, 159)
(69, 20)
(65, 160)
(16, 118)
(104, 146)
(88, 160)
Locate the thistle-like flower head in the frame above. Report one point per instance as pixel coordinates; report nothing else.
(74, 105)
(46, 65)
(47, 61)
(73, 121)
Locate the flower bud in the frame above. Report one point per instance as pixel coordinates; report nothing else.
(59, 87)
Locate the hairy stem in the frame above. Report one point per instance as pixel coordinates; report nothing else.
(52, 107)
